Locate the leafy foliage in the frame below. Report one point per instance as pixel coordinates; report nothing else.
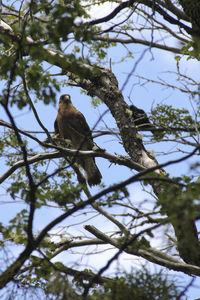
(167, 116)
(46, 47)
(141, 285)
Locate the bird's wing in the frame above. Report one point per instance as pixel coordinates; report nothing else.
(56, 127)
(78, 123)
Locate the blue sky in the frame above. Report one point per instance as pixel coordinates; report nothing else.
(151, 66)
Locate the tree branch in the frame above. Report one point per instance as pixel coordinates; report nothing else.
(112, 14)
(137, 41)
(151, 254)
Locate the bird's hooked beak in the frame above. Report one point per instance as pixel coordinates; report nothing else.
(65, 99)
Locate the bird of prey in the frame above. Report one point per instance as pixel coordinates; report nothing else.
(71, 124)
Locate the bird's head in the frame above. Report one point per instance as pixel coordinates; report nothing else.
(65, 99)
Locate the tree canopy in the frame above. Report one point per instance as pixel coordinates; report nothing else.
(96, 52)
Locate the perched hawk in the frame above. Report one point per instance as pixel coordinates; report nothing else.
(71, 124)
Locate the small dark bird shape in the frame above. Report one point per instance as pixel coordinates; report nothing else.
(140, 118)
(71, 124)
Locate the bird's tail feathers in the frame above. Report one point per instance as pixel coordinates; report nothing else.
(92, 172)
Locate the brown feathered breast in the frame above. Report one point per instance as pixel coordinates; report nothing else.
(71, 124)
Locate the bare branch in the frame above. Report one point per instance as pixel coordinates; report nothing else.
(33, 108)
(21, 163)
(137, 41)
(113, 13)
(151, 254)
